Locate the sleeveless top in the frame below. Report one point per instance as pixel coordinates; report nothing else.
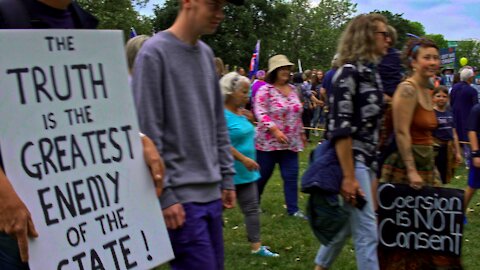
(423, 123)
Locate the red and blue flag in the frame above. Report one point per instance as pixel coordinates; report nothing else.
(254, 62)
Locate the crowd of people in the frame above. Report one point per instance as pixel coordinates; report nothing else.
(401, 117)
(381, 110)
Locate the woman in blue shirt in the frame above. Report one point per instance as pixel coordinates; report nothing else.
(235, 89)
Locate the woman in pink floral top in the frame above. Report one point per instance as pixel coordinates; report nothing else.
(279, 134)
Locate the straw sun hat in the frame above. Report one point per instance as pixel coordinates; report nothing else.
(277, 61)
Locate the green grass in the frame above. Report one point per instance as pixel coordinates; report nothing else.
(293, 239)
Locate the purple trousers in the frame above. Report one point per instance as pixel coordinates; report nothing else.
(198, 244)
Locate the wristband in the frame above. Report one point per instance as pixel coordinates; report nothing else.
(475, 154)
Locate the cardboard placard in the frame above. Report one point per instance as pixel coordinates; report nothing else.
(71, 148)
(429, 219)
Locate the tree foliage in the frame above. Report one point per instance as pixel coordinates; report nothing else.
(313, 31)
(164, 16)
(257, 20)
(328, 19)
(469, 49)
(294, 28)
(403, 26)
(119, 14)
(297, 28)
(439, 40)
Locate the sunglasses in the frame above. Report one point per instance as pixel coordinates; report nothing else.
(384, 33)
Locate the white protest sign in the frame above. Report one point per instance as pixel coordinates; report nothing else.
(71, 148)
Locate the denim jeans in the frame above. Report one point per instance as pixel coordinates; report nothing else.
(362, 226)
(288, 161)
(318, 116)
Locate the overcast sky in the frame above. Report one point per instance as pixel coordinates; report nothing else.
(456, 20)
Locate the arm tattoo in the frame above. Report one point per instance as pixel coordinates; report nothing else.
(407, 92)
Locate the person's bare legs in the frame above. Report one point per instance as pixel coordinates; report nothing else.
(469, 192)
(255, 246)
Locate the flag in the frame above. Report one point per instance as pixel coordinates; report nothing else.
(133, 33)
(255, 60)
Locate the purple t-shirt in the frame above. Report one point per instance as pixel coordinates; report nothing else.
(48, 17)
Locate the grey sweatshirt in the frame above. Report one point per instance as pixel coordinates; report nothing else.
(180, 107)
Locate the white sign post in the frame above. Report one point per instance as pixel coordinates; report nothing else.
(71, 148)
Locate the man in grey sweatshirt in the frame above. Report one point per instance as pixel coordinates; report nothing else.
(180, 107)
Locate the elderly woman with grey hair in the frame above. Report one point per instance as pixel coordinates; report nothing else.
(235, 89)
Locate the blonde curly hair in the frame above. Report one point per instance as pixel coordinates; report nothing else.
(357, 42)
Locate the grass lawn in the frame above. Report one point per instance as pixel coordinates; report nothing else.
(293, 239)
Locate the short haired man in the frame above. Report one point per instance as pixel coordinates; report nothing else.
(15, 220)
(179, 104)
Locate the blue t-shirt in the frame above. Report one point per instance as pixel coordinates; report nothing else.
(474, 121)
(444, 130)
(242, 134)
(327, 80)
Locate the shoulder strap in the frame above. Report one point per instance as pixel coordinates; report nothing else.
(14, 15)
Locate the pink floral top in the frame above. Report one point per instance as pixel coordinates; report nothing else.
(272, 108)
